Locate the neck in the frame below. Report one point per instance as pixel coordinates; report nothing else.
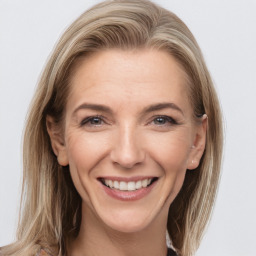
(97, 239)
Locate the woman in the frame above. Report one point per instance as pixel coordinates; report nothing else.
(123, 140)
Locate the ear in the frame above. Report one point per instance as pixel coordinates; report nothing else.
(198, 147)
(57, 141)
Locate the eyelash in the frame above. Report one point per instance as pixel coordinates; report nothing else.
(89, 119)
(168, 121)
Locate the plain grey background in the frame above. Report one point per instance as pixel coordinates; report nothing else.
(226, 32)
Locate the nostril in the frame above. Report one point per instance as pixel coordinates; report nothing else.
(127, 161)
(127, 165)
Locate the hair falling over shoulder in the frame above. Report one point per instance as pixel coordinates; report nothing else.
(50, 212)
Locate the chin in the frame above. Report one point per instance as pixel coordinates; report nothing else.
(128, 223)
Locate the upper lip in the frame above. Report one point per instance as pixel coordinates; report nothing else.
(127, 179)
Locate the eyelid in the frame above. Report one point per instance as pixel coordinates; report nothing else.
(89, 118)
(171, 121)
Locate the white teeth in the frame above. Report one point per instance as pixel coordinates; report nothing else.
(131, 185)
(138, 184)
(116, 184)
(127, 186)
(123, 185)
(144, 183)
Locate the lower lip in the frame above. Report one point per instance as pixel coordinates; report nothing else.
(128, 195)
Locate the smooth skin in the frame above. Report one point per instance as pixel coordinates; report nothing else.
(128, 115)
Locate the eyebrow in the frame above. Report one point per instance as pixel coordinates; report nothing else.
(160, 106)
(96, 107)
(151, 108)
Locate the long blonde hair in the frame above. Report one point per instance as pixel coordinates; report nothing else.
(51, 206)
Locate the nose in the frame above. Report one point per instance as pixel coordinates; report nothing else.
(127, 150)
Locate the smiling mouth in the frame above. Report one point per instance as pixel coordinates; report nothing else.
(129, 185)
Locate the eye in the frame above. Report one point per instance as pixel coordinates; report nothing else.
(93, 121)
(163, 121)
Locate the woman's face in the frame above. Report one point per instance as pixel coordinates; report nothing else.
(129, 136)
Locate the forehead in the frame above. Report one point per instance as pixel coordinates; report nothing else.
(145, 75)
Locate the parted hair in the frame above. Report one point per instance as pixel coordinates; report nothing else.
(50, 211)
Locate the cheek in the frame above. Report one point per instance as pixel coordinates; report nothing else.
(174, 162)
(171, 153)
(85, 151)
(171, 150)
